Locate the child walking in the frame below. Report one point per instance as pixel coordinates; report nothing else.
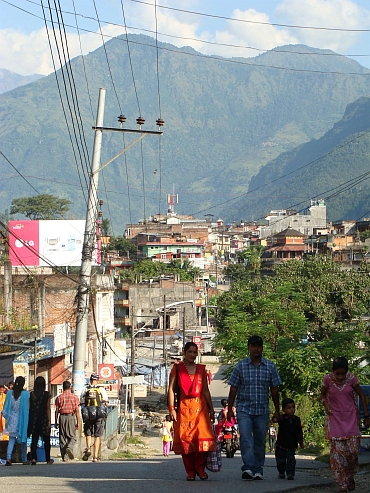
(338, 395)
(289, 436)
(167, 435)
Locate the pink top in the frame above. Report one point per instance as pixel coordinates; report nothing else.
(344, 420)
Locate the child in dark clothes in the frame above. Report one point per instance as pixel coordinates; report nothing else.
(289, 436)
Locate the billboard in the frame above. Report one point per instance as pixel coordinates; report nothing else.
(47, 243)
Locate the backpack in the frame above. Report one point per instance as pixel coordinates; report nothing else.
(93, 397)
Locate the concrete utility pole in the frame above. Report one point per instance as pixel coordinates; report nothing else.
(133, 372)
(79, 355)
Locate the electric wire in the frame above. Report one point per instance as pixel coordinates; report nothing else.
(248, 192)
(235, 19)
(227, 60)
(160, 112)
(83, 60)
(63, 106)
(72, 86)
(107, 58)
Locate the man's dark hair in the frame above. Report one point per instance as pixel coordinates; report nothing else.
(340, 362)
(66, 385)
(286, 401)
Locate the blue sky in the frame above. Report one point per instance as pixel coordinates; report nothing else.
(225, 28)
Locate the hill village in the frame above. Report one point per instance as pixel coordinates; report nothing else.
(153, 316)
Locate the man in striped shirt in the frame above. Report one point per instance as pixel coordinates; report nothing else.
(67, 417)
(250, 383)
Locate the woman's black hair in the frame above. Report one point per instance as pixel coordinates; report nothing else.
(340, 362)
(39, 387)
(188, 345)
(18, 387)
(223, 402)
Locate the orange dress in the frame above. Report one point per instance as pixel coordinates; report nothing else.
(193, 430)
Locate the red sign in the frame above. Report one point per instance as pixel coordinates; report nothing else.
(198, 341)
(24, 243)
(106, 371)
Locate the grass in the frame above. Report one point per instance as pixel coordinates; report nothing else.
(134, 440)
(124, 455)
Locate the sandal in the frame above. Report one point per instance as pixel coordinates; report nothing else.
(51, 461)
(33, 462)
(96, 459)
(190, 477)
(86, 454)
(8, 462)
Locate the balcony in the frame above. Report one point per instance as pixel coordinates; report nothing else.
(122, 303)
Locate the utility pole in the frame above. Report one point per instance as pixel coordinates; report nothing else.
(133, 372)
(165, 345)
(79, 354)
(183, 327)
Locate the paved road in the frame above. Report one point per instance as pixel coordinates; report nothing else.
(146, 475)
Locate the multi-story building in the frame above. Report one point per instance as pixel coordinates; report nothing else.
(309, 221)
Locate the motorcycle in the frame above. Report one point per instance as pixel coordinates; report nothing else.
(229, 439)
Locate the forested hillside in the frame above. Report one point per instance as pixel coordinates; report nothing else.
(224, 119)
(335, 167)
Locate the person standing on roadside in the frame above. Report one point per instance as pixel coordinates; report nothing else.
(251, 382)
(67, 418)
(39, 423)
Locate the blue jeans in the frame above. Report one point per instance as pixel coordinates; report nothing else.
(9, 450)
(252, 429)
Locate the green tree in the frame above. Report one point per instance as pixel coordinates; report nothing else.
(307, 313)
(40, 207)
(105, 228)
(123, 245)
(252, 257)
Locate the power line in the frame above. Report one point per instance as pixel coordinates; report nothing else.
(226, 60)
(234, 19)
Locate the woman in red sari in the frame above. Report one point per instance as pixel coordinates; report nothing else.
(193, 433)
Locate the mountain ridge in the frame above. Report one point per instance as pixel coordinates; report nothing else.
(223, 122)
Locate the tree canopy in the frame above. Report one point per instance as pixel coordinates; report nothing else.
(42, 206)
(307, 313)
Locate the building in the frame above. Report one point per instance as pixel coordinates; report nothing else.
(309, 221)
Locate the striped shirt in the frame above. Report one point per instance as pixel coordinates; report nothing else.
(254, 384)
(67, 403)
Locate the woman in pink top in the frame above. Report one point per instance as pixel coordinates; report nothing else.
(338, 395)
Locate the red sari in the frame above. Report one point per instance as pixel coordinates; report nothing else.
(193, 429)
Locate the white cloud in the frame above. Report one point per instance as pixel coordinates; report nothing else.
(257, 33)
(337, 14)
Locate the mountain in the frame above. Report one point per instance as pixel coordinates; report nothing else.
(10, 80)
(335, 167)
(224, 120)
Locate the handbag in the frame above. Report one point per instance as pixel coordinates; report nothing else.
(213, 460)
(163, 431)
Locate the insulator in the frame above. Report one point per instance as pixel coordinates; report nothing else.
(160, 122)
(97, 237)
(100, 213)
(140, 120)
(101, 202)
(122, 118)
